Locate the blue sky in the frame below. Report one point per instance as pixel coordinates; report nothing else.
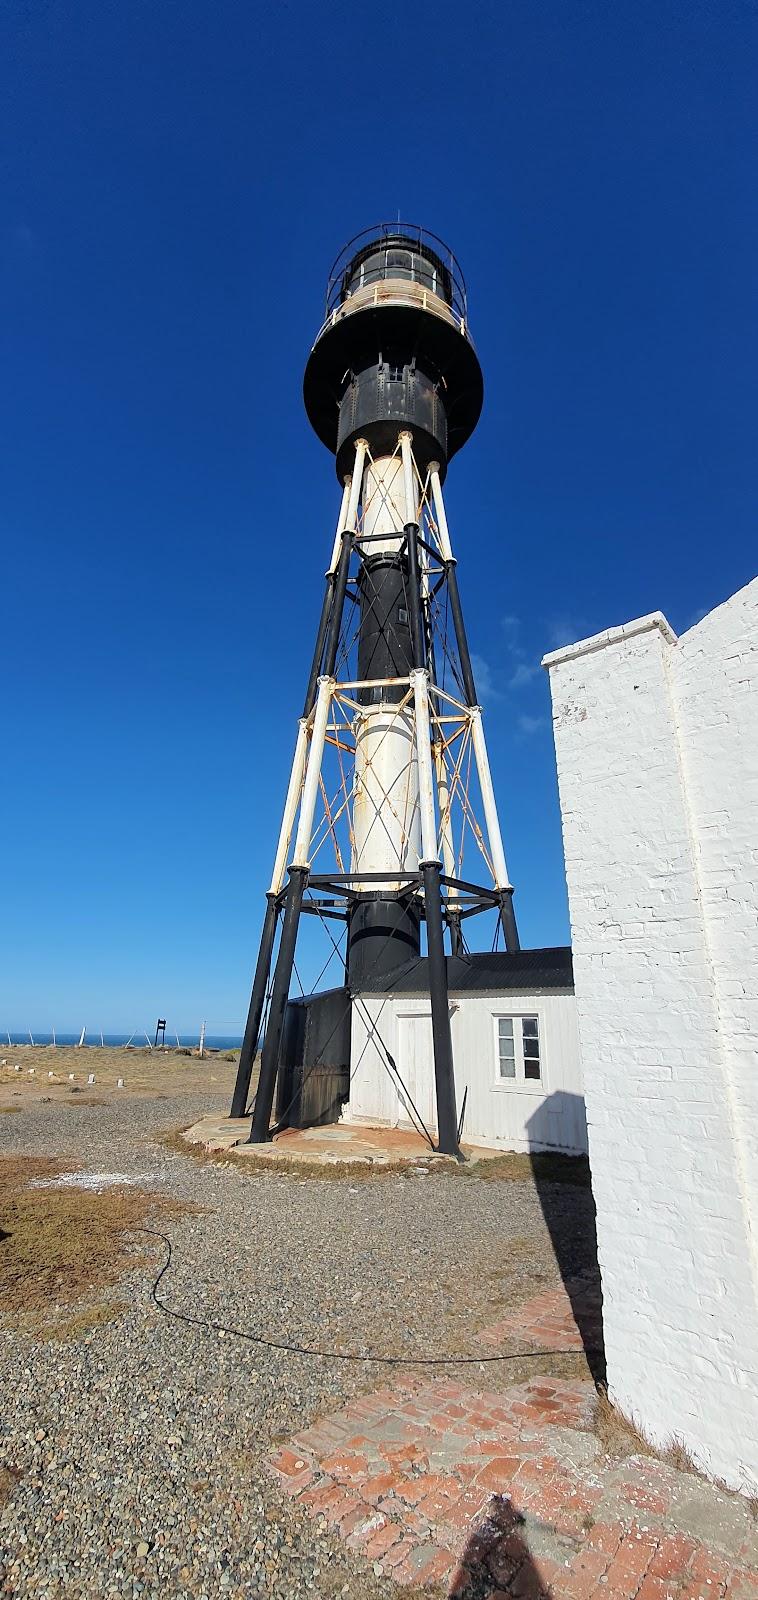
(175, 182)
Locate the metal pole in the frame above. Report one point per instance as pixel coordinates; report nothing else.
(411, 535)
(264, 1099)
(447, 1119)
(327, 601)
(301, 857)
(447, 1122)
(448, 855)
(290, 807)
(295, 890)
(507, 916)
(446, 550)
(338, 604)
(494, 835)
(255, 1012)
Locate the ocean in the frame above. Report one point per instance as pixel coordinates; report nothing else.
(112, 1041)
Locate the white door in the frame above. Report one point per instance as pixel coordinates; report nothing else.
(415, 1065)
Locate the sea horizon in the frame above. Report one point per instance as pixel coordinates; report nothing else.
(17, 1039)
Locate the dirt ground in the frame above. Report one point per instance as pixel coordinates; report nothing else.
(60, 1074)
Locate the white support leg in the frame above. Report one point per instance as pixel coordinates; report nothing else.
(446, 832)
(443, 532)
(497, 853)
(301, 857)
(351, 519)
(290, 807)
(420, 681)
(409, 488)
(341, 526)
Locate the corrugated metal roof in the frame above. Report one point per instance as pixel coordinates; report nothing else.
(485, 972)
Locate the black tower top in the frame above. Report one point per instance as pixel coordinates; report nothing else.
(394, 350)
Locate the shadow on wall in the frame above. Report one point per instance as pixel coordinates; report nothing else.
(571, 1226)
(496, 1556)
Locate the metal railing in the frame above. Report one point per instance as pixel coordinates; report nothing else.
(399, 237)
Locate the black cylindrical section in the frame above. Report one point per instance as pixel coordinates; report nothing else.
(382, 935)
(508, 920)
(385, 647)
(447, 1120)
(414, 594)
(337, 606)
(310, 695)
(382, 399)
(467, 671)
(264, 1099)
(255, 1012)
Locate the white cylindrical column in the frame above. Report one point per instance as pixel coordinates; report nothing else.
(290, 807)
(301, 857)
(383, 507)
(497, 853)
(386, 824)
(420, 680)
(341, 526)
(443, 532)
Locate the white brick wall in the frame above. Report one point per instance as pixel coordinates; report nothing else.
(657, 749)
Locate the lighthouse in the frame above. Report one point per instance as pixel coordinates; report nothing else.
(390, 794)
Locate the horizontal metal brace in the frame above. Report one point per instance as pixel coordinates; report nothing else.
(314, 908)
(482, 893)
(325, 880)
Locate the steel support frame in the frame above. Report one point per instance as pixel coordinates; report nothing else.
(431, 874)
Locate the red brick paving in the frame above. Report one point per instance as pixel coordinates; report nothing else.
(485, 1494)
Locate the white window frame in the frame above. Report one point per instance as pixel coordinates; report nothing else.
(520, 1084)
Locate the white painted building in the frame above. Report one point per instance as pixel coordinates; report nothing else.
(657, 749)
(515, 1050)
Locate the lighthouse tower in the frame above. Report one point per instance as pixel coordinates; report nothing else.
(390, 791)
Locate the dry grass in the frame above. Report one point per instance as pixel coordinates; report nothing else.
(617, 1435)
(63, 1250)
(619, 1438)
(507, 1168)
(512, 1167)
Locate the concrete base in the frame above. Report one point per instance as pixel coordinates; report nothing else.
(361, 1145)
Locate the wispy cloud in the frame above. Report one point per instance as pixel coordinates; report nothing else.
(485, 686)
(529, 725)
(564, 629)
(522, 674)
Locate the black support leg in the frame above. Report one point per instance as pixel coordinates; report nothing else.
(508, 920)
(264, 1099)
(447, 1122)
(255, 1012)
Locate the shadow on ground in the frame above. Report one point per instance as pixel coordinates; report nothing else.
(563, 1110)
(495, 1555)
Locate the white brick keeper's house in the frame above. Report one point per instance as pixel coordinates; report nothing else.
(657, 749)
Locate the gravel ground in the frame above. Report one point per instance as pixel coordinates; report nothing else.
(140, 1448)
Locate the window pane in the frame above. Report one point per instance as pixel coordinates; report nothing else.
(506, 1047)
(531, 1042)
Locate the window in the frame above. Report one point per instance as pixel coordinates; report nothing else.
(506, 1045)
(518, 1050)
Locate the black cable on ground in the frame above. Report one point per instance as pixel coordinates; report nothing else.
(291, 1348)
